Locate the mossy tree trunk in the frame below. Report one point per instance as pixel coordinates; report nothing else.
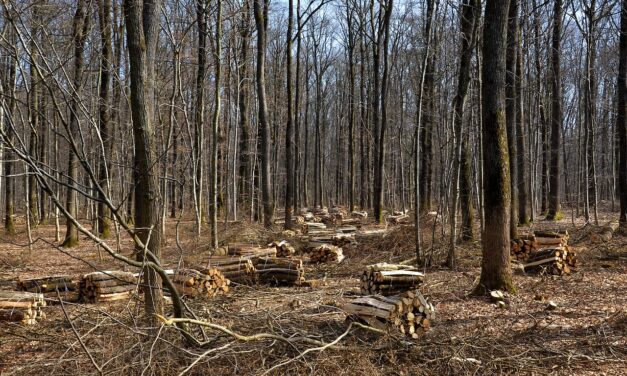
(495, 264)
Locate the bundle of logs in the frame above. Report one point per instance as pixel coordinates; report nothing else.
(522, 247)
(107, 286)
(283, 248)
(208, 283)
(390, 279)
(556, 260)
(326, 253)
(409, 312)
(251, 250)
(21, 306)
(237, 269)
(279, 270)
(52, 287)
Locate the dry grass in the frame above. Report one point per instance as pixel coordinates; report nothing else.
(586, 334)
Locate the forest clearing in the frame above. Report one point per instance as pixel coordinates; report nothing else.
(320, 187)
(584, 334)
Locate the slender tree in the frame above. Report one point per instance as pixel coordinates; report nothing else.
(621, 117)
(556, 116)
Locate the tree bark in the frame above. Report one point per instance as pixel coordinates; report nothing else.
(621, 117)
(141, 19)
(261, 20)
(511, 109)
(554, 207)
(495, 264)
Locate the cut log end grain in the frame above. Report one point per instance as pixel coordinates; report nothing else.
(327, 253)
(409, 313)
(390, 279)
(208, 283)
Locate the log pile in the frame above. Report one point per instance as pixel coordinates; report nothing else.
(359, 214)
(52, 287)
(237, 269)
(275, 270)
(390, 279)
(283, 248)
(522, 247)
(410, 313)
(556, 260)
(398, 219)
(251, 251)
(327, 253)
(107, 286)
(21, 306)
(193, 283)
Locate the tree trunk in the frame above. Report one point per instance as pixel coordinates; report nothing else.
(468, 25)
(621, 117)
(141, 20)
(79, 32)
(261, 20)
(511, 103)
(289, 129)
(495, 264)
(554, 209)
(213, 208)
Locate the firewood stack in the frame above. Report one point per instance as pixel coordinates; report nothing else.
(237, 269)
(21, 306)
(522, 247)
(280, 270)
(398, 219)
(251, 251)
(327, 253)
(390, 279)
(50, 286)
(359, 214)
(107, 286)
(193, 283)
(283, 248)
(556, 260)
(410, 313)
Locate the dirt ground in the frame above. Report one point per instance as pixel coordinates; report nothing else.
(585, 335)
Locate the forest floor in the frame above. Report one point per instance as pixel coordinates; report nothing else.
(585, 335)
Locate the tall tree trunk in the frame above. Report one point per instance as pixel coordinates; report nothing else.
(199, 116)
(213, 208)
(469, 16)
(106, 56)
(621, 117)
(495, 264)
(520, 136)
(289, 129)
(245, 160)
(511, 104)
(9, 90)
(79, 32)
(141, 19)
(261, 20)
(556, 116)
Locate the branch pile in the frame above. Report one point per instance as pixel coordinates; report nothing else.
(327, 253)
(280, 270)
(236, 269)
(66, 288)
(107, 286)
(390, 279)
(21, 306)
(192, 283)
(410, 312)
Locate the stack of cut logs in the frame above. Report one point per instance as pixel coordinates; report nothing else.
(552, 254)
(409, 312)
(251, 251)
(398, 218)
(107, 286)
(52, 287)
(327, 253)
(280, 270)
(236, 269)
(522, 247)
(21, 306)
(283, 248)
(390, 279)
(193, 283)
